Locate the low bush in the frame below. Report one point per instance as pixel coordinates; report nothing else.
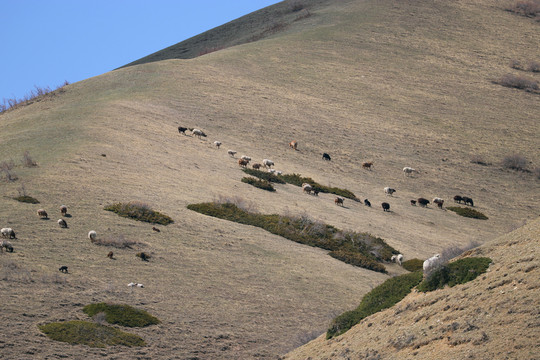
(478, 159)
(298, 180)
(27, 160)
(264, 175)
(347, 246)
(466, 212)
(139, 211)
(515, 162)
(26, 199)
(529, 8)
(455, 273)
(518, 82)
(382, 297)
(533, 66)
(413, 265)
(91, 334)
(261, 184)
(123, 315)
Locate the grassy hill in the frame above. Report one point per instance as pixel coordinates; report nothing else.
(401, 84)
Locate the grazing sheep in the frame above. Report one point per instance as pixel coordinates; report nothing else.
(143, 256)
(367, 203)
(42, 214)
(458, 199)
(413, 202)
(408, 170)
(63, 210)
(131, 285)
(467, 200)
(367, 165)
(243, 163)
(385, 206)
(63, 269)
(316, 192)
(268, 163)
(256, 166)
(140, 285)
(62, 223)
(110, 255)
(423, 202)
(5, 244)
(307, 188)
(182, 130)
(339, 200)
(325, 156)
(198, 133)
(92, 235)
(397, 258)
(245, 157)
(217, 143)
(231, 152)
(293, 144)
(439, 202)
(155, 229)
(8, 233)
(389, 191)
(431, 263)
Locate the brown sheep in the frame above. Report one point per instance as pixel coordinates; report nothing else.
(42, 214)
(256, 166)
(110, 255)
(243, 163)
(293, 144)
(338, 201)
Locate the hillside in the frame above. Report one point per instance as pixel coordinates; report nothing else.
(397, 83)
(492, 317)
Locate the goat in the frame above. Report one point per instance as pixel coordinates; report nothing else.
(408, 170)
(182, 130)
(63, 269)
(231, 152)
(268, 163)
(245, 157)
(42, 214)
(217, 143)
(385, 206)
(198, 133)
(110, 255)
(367, 203)
(367, 165)
(243, 163)
(423, 202)
(413, 202)
(439, 202)
(62, 223)
(63, 210)
(326, 156)
(389, 191)
(316, 192)
(458, 199)
(256, 166)
(339, 201)
(467, 200)
(293, 144)
(155, 229)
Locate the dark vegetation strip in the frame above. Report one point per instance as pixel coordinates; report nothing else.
(259, 183)
(139, 211)
(413, 265)
(360, 249)
(455, 273)
(123, 315)
(298, 180)
(26, 199)
(466, 212)
(91, 334)
(382, 297)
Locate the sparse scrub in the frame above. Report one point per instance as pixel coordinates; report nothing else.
(117, 241)
(518, 82)
(382, 297)
(413, 265)
(361, 249)
(27, 160)
(529, 8)
(515, 162)
(298, 180)
(467, 212)
(261, 184)
(237, 201)
(11, 271)
(533, 66)
(24, 197)
(143, 256)
(297, 5)
(515, 64)
(139, 211)
(536, 173)
(458, 272)
(91, 334)
(123, 315)
(6, 167)
(264, 175)
(36, 94)
(478, 159)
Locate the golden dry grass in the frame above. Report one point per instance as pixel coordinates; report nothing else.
(402, 84)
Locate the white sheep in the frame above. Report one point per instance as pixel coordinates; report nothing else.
(389, 191)
(198, 133)
(246, 158)
(5, 244)
(408, 170)
(217, 143)
(268, 163)
(397, 258)
(62, 223)
(307, 188)
(8, 233)
(432, 262)
(92, 235)
(231, 152)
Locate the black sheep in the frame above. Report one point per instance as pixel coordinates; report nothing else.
(367, 203)
(325, 156)
(423, 202)
(385, 206)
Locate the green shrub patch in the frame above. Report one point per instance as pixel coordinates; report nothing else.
(123, 315)
(259, 183)
(467, 212)
(26, 199)
(139, 211)
(455, 273)
(264, 175)
(91, 334)
(298, 180)
(382, 297)
(360, 249)
(413, 265)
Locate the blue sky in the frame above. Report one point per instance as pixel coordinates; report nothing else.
(45, 42)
